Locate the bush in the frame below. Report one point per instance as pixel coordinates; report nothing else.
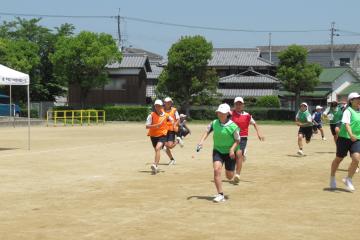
(268, 102)
(257, 113)
(126, 113)
(33, 113)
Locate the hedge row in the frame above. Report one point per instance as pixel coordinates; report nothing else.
(257, 113)
(33, 113)
(139, 113)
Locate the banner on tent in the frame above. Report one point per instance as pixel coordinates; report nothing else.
(13, 81)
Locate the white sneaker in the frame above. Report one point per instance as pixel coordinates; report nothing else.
(237, 178)
(300, 153)
(357, 170)
(324, 139)
(172, 162)
(219, 198)
(154, 168)
(332, 183)
(180, 141)
(348, 182)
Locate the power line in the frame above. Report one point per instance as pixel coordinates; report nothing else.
(163, 23)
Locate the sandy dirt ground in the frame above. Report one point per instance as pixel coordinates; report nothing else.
(94, 182)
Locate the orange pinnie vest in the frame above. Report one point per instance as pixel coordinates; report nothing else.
(172, 115)
(163, 129)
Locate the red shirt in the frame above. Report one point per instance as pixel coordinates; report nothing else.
(243, 120)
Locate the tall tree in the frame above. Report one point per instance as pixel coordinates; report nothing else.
(295, 73)
(187, 77)
(41, 40)
(81, 60)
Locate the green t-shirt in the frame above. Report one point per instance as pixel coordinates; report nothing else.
(354, 125)
(223, 135)
(336, 115)
(304, 117)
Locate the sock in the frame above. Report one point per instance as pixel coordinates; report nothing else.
(221, 193)
(301, 149)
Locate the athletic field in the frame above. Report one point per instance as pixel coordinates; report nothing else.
(95, 183)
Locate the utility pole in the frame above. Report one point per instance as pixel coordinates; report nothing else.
(270, 46)
(332, 34)
(119, 32)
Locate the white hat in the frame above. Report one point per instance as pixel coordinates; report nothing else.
(353, 95)
(182, 116)
(223, 108)
(158, 102)
(238, 99)
(304, 103)
(318, 107)
(168, 99)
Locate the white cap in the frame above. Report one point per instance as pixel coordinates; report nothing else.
(182, 116)
(353, 95)
(168, 99)
(238, 99)
(304, 103)
(318, 107)
(158, 102)
(223, 108)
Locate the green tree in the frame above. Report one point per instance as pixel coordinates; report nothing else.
(81, 60)
(268, 102)
(41, 41)
(295, 73)
(187, 77)
(20, 55)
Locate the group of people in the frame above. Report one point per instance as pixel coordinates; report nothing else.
(230, 132)
(167, 128)
(345, 128)
(230, 135)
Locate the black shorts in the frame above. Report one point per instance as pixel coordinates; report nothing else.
(345, 145)
(182, 132)
(224, 158)
(155, 140)
(242, 145)
(316, 127)
(333, 127)
(170, 136)
(306, 132)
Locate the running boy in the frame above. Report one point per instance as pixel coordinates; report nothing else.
(170, 142)
(335, 115)
(318, 121)
(348, 141)
(226, 138)
(183, 128)
(157, 123)
(243, 120)
(304, 121)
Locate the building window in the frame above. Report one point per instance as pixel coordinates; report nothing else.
(344, 61)
(116, 84)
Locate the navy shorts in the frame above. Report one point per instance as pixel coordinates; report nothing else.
(306, 132)
(333, 127)
(224, 158)
(242, 145)
(345, 145)
(155, 140)
(316, 127)
(170, 136)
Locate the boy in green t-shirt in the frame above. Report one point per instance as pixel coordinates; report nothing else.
(334, 114)
(348, 141)
(226, 138)
(304, 120)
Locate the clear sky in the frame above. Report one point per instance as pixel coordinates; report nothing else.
(268, 15)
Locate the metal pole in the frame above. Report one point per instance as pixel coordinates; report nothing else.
(270, 46)
(28, 103)
(119, 32)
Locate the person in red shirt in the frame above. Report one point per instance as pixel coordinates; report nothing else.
(243, 120)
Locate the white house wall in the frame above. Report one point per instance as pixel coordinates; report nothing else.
(340, 84)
